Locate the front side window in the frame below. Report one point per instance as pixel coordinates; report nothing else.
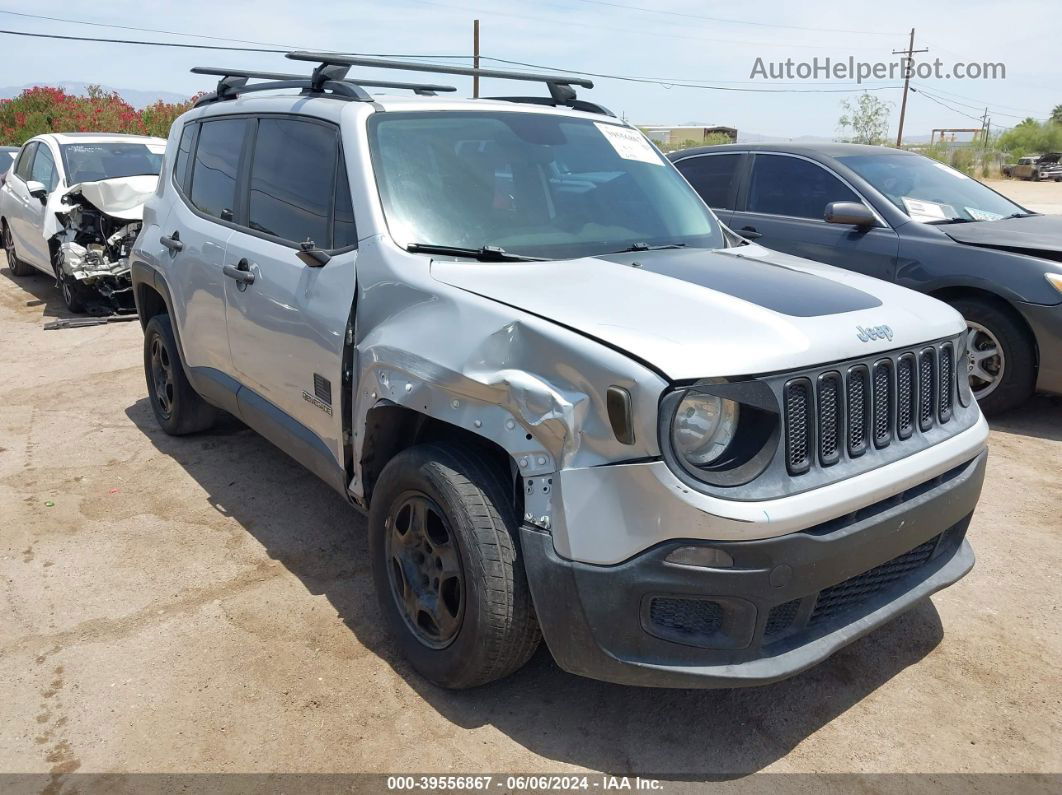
(783, 185)
(216, 165)
(711, 176)
(533, 184)
(929, 191)
(90, 162)
(44, 169)
(25, 161)
(292, 180)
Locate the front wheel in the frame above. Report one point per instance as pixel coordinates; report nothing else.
(73, 294)
(999, 355)
(447, 567)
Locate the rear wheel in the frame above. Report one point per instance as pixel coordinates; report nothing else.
(177, 406)
(14, 264)
(447, 567)
(1000, 356)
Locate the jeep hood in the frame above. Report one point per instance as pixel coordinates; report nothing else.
(697, 313)
(1037, 235)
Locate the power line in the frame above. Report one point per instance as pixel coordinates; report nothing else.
(602, 75)
(945, 105)
(980, 103)
(735, 21)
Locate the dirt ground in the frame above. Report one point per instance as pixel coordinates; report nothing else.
(204, 604)
(1041, 197)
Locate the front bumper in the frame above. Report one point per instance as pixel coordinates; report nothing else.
(788, 603)
(1046, 324)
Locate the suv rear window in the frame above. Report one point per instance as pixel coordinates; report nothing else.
(292, 176)
(217, 162)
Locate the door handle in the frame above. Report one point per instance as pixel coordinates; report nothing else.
(172, 242)
(750, 233)
(241, 272)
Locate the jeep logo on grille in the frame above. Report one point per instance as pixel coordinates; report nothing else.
(874, 333)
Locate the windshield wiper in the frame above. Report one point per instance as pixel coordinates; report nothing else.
(1017, 215)
(647, 247)
(483, 253)
(942, 221)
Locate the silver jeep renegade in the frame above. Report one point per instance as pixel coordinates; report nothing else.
(573, 404)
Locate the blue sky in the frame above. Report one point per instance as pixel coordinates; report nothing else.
(709, 42)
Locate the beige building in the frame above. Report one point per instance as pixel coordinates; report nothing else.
(664, 134)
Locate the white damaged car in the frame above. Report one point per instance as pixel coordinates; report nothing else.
(72, 205)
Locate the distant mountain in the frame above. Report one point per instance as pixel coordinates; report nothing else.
(135, 97)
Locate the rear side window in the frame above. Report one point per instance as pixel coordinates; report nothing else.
(712, 177)
(783, 185)
(25, 161)
(44, 170)
(216, 164)
(344, 233)
(292, 180)
(184, 150)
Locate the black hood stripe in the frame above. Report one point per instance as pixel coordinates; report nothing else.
(774, 287)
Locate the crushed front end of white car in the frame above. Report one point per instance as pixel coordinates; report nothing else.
(98, 225)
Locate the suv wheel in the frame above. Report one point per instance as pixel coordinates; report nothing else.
(178, 408)
(14, 264)
(447, 568)
(999, 356)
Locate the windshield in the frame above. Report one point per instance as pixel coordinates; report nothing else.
(929, 191)
(91, 162)
(532, 184)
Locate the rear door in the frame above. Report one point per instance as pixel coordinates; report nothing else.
(715, 176)
(200, 224)
(45, 172)
(286, 319)
(783, 209)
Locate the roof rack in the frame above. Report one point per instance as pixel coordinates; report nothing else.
(560, 86)
(326, 77)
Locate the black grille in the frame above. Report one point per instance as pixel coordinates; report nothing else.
(856, 590)
(850, 410)
(946, 361)
(684, 619)
(883, 403)
(905, 396)
(926, 387)
(830, 418)
(858, 393)
(781, 617)
(798, 425)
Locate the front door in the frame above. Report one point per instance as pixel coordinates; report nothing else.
(786, 200)
(287, 319)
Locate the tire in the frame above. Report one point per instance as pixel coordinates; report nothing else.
(73, 294)
(14, 264)
(178, 408)
(469, 527)
(1015, 371)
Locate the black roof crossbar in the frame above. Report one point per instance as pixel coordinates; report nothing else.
(574, 104)
(325, 77)
(560, 86)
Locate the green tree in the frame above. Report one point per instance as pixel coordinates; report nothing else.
(865, 121)
(1032, 137)
(1056, 114)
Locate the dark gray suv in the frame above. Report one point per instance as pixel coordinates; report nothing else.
(907, 219)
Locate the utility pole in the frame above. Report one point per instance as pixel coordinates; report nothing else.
(986, 125)
(908, 67)
(475, 57)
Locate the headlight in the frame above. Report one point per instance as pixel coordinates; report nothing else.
(704, 427)
(1055, 280)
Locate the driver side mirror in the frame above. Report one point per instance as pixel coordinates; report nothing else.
(37, 190)
(311, 255)
(850, 214)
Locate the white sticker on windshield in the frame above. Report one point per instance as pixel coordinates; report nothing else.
(629, 144)
(983, 215)
(951, 170)
(922, 210)
(156, 149)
